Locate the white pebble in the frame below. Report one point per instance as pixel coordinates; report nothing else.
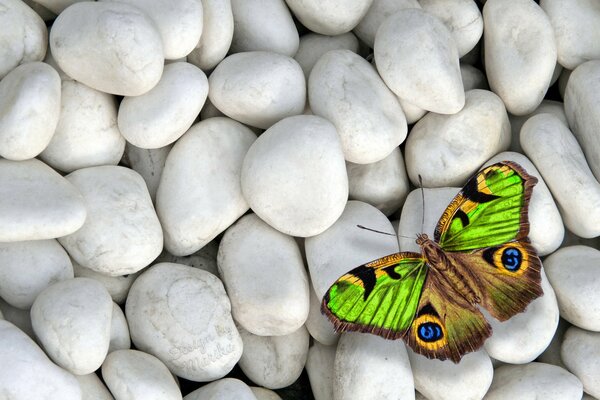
(199, 194)
(149, 163)
(345, 89)
(447, 149)
(92, 388)
(117, 286)
(320, 366)
(520, 53)
(128, 62)
(313, 46)
(196, 343)
(121, 234)
(132, 374)
(29, 110)
(37, 203)
(119, 331)
(377, 13)
(574, 272)
(581, 354)
(405, 63)
(318, 325)
(557, 155)
(80, 345)
(472, 78)
(274, 361)
(29, 267)
(27, 372)
(159, 117)
(294, 176)
(258, 88)
(517, 121)
(265, 25)
(333, 17)
(223, 389)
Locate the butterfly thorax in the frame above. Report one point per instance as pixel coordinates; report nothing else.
(438, 261)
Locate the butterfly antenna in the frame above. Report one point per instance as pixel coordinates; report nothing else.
(383, 233)
(423, 202)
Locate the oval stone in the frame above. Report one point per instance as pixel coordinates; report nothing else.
(320, 365)
(318, 325)
(313, 46)
(517, 121)
(119, 331)
(226, 388)
(377, 13)
(333, 17)
(580, 352)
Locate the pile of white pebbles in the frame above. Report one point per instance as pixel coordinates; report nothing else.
(175, 178)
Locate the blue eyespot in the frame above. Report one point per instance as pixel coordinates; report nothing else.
(430, 332)
(512, 258)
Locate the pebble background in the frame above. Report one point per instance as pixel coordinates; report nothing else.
(181, 181)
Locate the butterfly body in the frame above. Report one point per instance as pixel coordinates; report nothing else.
(480, 256)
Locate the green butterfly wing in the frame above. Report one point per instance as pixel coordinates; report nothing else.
(380, 297)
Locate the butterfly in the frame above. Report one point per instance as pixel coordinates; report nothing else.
(480, 256)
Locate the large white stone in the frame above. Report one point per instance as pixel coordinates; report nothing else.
(117, 286)
(29, 110)
(274, 361)
(405, 63)
(27, 372)
(318, 325)
(294, 176)
(28, 267)
(37, 203)
(575, 26)
(81, 344)
(265, 25)
(87, 133)
(223, 389)
(581, 354)
(92, 388)
(574, 272)
(333, 17)
(557, 155)
(132, 374)
(520, 53)
(182, 316)
(23, 35)
(258, 88)
(119, 331)
(199, 194)
(313, 46)
(110, 46)
(345, 89)
(159, 117)
(447, 149)
(263, 273)
(121, 234)
(377, 13)
(149, 163)
(320, 366)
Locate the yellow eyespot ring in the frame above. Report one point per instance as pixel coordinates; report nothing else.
(512, 259)
(429, 332)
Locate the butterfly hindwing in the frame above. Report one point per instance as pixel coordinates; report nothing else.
(379, 297)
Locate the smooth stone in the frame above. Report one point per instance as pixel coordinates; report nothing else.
(117, 286)
(132, 374)
(128, 62)
(258, 88)
(517, 121)
(28, 373)
(582, 99)
(437, 380)
(552, 353)
(159, 117)
(119, 331)
(557, 155)
(149, 163)
(575, 26)
(320, 366)
(446, 150)
(29, 110)
(581, 354)
(199, 194)
(377, 13)
(217, 34)
(574, 272)
(23, 36)
(404, 63)
(179, 23)
(80, 345)
(313, 46)
(20, 318)
(274, 361)
(92, 388)
(29, 267)
(377, 362)
(546, 229)
(263, 25)
(463, 19)
(223, 389)
(318, 325)
(182, 316)
(411, 112)
(534, 381)
(264, 275)
(205, 258)
(264, 394)
(520, 53)
(472, 78)
(345, 89)
(329, 18)
(87, 134)
(37, 203)
(345, 246)
(383, 184)
(121, 234)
